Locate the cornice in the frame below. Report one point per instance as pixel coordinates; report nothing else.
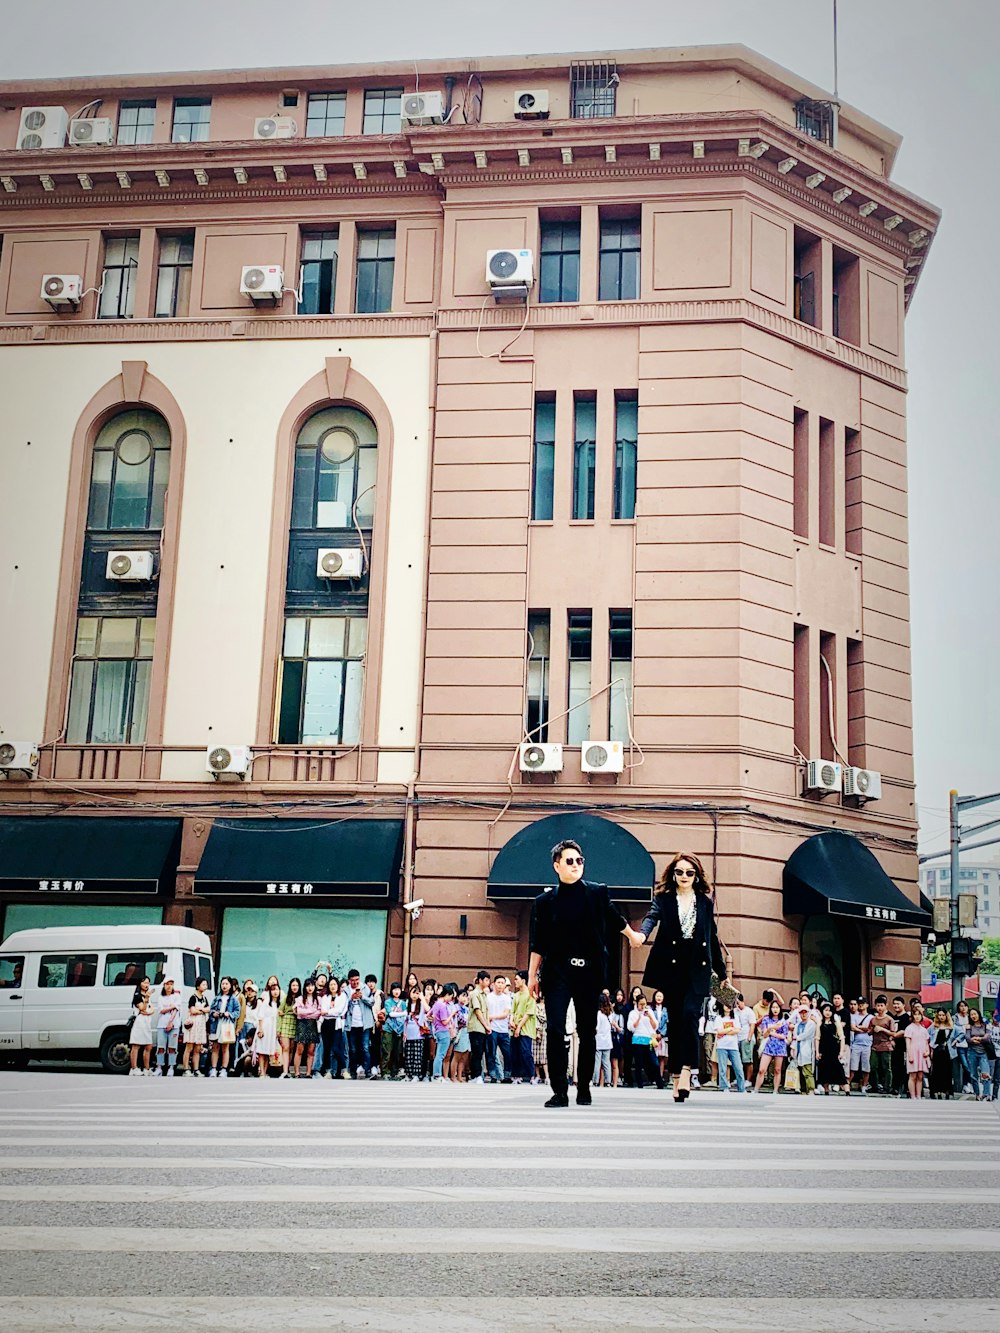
(248, 329)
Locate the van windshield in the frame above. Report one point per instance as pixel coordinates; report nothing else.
(197, 967)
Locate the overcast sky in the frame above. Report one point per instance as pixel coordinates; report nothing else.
(928, 68)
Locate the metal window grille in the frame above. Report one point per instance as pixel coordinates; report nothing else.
(817, 119)
(592, 85)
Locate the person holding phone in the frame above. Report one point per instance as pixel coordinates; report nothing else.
(168, 1025)
(222, 1018)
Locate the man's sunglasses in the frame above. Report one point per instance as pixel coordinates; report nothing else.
(573, 860)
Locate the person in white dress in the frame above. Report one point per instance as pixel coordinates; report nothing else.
(141, 1036)
(265, 1015)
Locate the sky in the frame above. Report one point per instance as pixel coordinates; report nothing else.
(927, 68)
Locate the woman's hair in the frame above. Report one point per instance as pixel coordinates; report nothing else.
(824, 1007)
(943, 1013)
(605, 1005)
(137, 995)
(309, 982)
(620, 992)
(321, 976)
(974, 1010)
(293, 994)
(660, 994)
(225, 982)
(962, 1005)
(449, 988)
(192, 1001)
(667, 884)
(634, 994)
(416, 1002)
(724, 1005)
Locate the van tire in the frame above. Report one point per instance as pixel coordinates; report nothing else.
(115, 1051)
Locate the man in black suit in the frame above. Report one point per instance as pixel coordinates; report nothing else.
(571, 926)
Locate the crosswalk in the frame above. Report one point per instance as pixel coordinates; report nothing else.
(134, 1203)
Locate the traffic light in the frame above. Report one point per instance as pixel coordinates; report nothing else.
(964, 956)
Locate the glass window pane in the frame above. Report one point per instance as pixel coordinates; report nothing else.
(367, 469)
(161, 476)
(295, 637)
(257, 941)
(357, 627)
(630, 276)
(140, 702)
(110, 722)
(578, 721)
(86, 636)
(128, 968)
(100, 489)
(67, 970)
(117, 636)
(321, 710)
(130, 496)
(291, 702)
(621, 700)
(81, 686)
(302, 487)
(147, 636)
(353, 690)
(326, 636)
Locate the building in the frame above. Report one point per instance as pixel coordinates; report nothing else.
(979, 877)
(286, 484)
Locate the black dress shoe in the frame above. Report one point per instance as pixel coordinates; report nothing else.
(558, 1099)
(583, 1098)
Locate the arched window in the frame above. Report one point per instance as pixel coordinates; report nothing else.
(128, 480)
(335, 462)
(321, 680)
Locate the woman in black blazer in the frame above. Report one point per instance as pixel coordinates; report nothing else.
(684, 955)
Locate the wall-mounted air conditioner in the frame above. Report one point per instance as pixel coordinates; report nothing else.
(423, 108)
(232, 761)
(338, 562)
(262, 282)
(96, 132)
(129, 566)
(863, 782)
(507, 268)
(18, 758)
(275, 127)
(62, 290)
(536, 757)
(531, 104)
(823, 775)
(42, 127)
(602, 757)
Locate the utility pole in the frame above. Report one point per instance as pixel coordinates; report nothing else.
(956, 804)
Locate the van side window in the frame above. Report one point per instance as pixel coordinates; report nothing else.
(11, 971)
(128, 969)
(59, 970)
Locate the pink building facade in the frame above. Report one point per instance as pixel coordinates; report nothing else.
(659, 508)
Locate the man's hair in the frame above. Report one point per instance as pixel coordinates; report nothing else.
(899, 998)
(880, 999)
(353, 973)
(483, 973)
(767, 996)
(566, 845)
(395, 987)
(371, 977)
(522, 974)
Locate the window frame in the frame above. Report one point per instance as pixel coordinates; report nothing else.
(173, 270)
(579, 655)
(126, 270)
(378, 264)
(326, 132)
(536, 720)
(134, 696)
(69, 960)
(386, 94)
(327, 266)
(286, 681)
(626, 458)
(543, 458)
(132, 957)
(191, 104)
(157, 482)
(614, 288)
(364, 519)
(583, 498)
(568, 289)
(621, 663)
(137, 105)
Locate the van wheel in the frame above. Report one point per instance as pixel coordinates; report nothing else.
(115, 1052)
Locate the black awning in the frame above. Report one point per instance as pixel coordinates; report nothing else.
(835, 873)
(286, 860)
(87, 854)
(523, 867)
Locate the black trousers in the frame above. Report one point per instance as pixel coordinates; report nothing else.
(684, 1002)
(478, 1043)
(582, 985)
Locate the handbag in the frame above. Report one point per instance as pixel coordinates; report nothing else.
(989, 1049)
(792, 1080)
(225, 1031)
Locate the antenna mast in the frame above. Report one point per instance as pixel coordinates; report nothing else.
(836, 75)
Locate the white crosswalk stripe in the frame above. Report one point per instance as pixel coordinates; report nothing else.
(198, 1203)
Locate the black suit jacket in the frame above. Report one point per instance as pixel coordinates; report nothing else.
(604, 921)
(661, 968)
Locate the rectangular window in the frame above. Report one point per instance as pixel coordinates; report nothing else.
(319, 272)
(135, 122)
(620, 710)
(559, 262)
(325, 115)
(543, 457)
(173, 276)
(846, 296)
(828, 714)
(806, 297)
(584, 454)
(11, 970)
(58, 971)
(621, 240)
(827, 482)
(376, 263)
(121, 259)
(855, 702)
(197, 967)
(626, 453)
(592, 85)
(109, 684)
(580, 640)
(536, 713)
(817, 119)
(801, 694)
(382, 111)
(800, 475)
(192, 118)
(322, 678)
(128, 969)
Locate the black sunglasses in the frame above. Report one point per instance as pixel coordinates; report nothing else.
(573, 860)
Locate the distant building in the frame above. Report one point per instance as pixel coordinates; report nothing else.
(980, 877)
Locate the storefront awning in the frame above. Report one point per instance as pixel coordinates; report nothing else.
(286, 860)
(72, 855)
(615, 857)
(835, 873)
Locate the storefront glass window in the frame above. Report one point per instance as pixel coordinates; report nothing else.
(30, 916)
(289, 942)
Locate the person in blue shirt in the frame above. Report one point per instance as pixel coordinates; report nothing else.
(392, 1032)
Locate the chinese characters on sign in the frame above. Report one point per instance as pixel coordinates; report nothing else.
(881, 913)
(60, 886)
(290, 888)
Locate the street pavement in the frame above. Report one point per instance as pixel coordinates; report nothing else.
(156, 1203)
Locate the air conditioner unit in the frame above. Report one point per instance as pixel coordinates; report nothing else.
(337, 562)
(93, 133)
(18, 757)
(129, 566)
(275, 127)
(531, 104)
(509, 268)
(228, 761)
(423, 108)
(603, 757)
(42, 127)
(823, 775)
(534, 757)
(863, 782)
(62, 289)
(262, 282)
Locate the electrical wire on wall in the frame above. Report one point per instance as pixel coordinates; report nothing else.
(829, 706)
(498, 356)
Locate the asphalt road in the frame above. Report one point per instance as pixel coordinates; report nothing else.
(155, 1203)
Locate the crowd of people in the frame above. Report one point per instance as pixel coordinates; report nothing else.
(495, 1030)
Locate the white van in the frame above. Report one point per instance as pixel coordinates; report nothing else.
(66, 991)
